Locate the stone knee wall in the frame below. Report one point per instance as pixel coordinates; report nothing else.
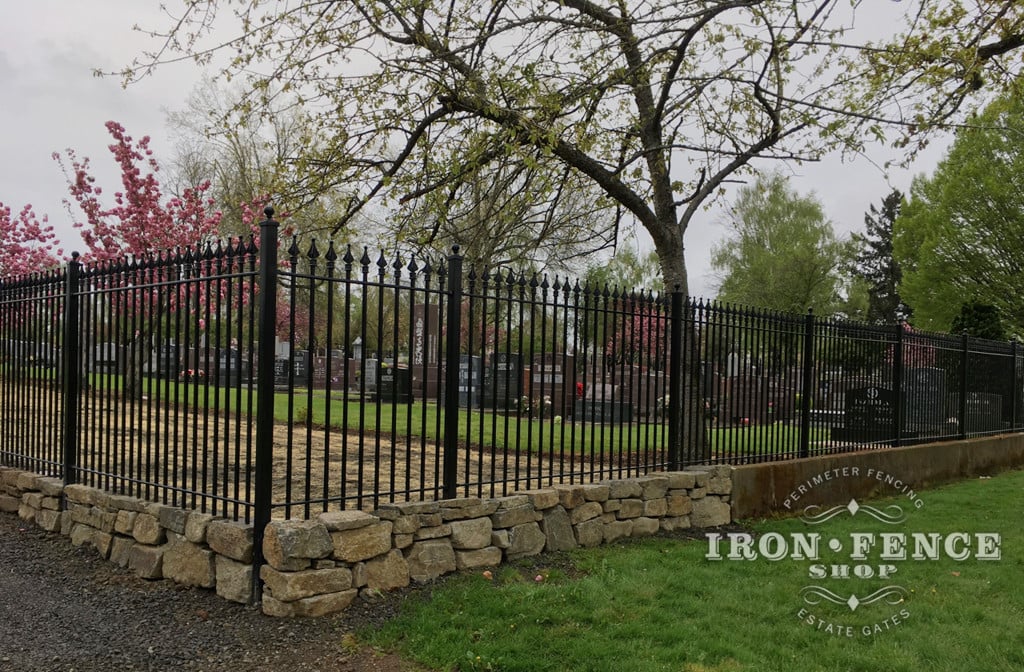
(153, 540)
(319, 566)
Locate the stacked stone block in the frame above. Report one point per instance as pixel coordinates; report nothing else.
(319, 566)
(153, 540)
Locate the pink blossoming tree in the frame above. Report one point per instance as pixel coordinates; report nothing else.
(29, 244)
(141, 220)
(141, 223)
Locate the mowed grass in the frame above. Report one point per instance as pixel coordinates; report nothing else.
(659, 604)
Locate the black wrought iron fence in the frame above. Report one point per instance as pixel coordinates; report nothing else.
(31, 399)
(251, 381)
(414, 379)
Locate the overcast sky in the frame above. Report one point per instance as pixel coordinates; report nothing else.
(53, 102)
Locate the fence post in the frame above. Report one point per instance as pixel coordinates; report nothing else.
(1013, 385)
(675, 379)
(453, 334)
(897, 386)
(72, 371)
(266, 333)
(963, 385)
(807, 382)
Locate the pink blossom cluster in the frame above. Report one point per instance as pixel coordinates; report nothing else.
(27, 242)
(141, 220)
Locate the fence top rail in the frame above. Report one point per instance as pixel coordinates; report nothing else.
(348, 268)
(180, 256)
(37, 279)
(404, 268)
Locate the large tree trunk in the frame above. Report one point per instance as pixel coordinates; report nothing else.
(140, 354)
(690, 423)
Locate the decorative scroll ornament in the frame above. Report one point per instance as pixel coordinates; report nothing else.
(816, 595)
(890, 515)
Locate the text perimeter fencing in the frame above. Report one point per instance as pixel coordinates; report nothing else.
(359, 381)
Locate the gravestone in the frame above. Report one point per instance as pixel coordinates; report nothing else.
(644, 389)
(426, 376)
(471, 380)
(299, 363)
(370, 370)
(600, 392)
(782, 401)
(107, 358)
(984, 412)
(281, 365)
(593, 410)
(603, 402)
(336, 374)
(168, 360)
(553, 379)
(394, 384)
(924, 400)
(503, 385)
(747, 403)
(867, 416)
(230, 369)
(426, 325)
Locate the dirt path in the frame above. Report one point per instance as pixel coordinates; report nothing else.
(209, 452)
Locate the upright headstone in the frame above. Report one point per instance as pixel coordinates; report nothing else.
(504, 380)
(370, 371)
(644, 388)
(426, 326)
(394, 384)
(230, 368)
(336, 373)
(604, 402)
(281, 365)
(471, 380)
(553, 383)
(984, 412)
(302, 361)
(868, 416)
(924, 400)
(168, 362)
(748, 401)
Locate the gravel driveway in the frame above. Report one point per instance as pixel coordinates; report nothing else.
(64, 608)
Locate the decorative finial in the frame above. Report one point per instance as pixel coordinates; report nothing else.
(269, 211)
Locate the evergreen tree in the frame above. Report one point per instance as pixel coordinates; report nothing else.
(980, 320)
(876, 264)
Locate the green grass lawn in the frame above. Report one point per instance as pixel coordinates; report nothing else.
(659, 604)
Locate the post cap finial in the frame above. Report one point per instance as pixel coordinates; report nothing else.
(269, 211)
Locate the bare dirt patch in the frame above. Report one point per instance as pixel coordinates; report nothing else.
(128, 446)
